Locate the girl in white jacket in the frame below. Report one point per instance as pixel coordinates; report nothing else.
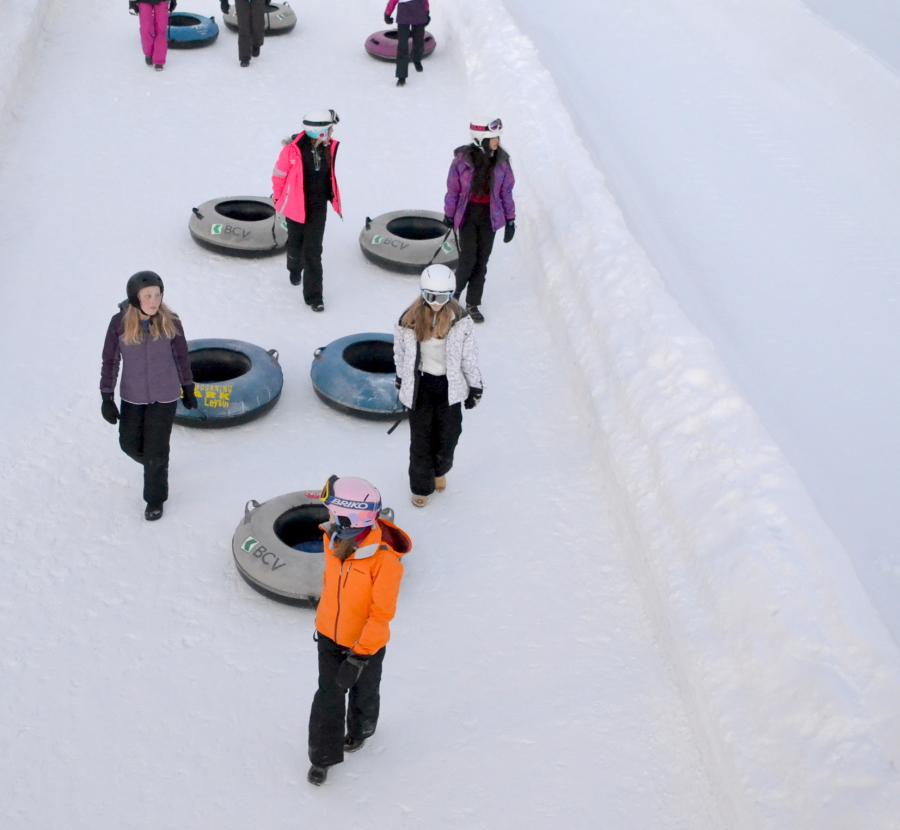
(437, 373)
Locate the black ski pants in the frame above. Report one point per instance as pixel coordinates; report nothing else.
(251, 18)
(418, 41)
(434, 430)
(144, 431)
(304, 251)
(331, 704)
(476, 241)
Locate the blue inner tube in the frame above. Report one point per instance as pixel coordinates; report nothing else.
(355, 374)
(234, 382)
(189, 31)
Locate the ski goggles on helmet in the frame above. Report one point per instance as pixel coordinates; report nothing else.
(436, 297)
(494, 126)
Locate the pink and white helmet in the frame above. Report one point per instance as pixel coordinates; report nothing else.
(351, 502)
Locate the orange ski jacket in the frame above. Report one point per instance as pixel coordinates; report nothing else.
(359, 595)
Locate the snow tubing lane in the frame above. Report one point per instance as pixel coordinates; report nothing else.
(406, 240)
(244, 226)
(278, 547)
(280, 18)
(355, 374)
(190, 31)
(234, 382)
(383, 44)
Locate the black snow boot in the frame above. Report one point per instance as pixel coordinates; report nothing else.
(475, 313)
(295, 276)
(317, 775)
(401, 81)
(353, 744)
(153, 512)
(417, 65)
(148, 61)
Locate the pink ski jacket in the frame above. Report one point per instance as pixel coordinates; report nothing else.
(287, 182)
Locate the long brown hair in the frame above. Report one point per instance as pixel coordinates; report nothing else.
(162, 324)
(428, 323)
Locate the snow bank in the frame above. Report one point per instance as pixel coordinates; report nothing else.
(789, 675)
(22, 21)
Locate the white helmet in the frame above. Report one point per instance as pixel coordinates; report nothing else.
(319, 121)
(437, 284)
(481, 129)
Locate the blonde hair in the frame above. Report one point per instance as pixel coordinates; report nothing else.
(162, 324)
(428, 323)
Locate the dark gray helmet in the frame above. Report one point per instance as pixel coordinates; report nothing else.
(142, 279)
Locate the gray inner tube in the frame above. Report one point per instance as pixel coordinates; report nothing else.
(218, 365)
(374, 356)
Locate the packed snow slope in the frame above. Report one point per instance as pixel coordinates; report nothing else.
(753, 148)
(624, 612)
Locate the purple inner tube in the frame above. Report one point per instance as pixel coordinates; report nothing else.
(383, 45)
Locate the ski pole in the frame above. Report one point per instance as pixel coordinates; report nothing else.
(396, 423)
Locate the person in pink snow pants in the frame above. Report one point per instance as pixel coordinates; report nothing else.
(154, 17)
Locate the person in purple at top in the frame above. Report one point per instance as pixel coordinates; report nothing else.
(146, 337)
(154, 16)
(412, 18)
(478, 203)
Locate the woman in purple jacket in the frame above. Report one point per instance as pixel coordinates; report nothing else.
(154, 15)
(478, 203)
(412, 18)
(146, 337)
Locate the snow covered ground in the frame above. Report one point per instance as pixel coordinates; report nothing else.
(625, 612)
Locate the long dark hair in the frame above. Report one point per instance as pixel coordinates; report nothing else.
(484, 162)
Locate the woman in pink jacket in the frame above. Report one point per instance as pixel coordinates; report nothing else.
(303, 183)
(154, 15)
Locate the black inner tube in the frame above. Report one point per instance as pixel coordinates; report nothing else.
(218, 365)
(183, 19)
(301, 524)
(245, 211)
(416, 227)
(371, 356)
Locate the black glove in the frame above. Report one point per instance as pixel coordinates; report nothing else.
(427, 19)
(388, 19)
(448, 221)
(109, 410)
(350, 670)
(398, 382)
(510, 231)
(132, 6)
(172, 5)
(190, 399)
(223, 5)
(474, 397)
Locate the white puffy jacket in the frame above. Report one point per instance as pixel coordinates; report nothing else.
(462, 361)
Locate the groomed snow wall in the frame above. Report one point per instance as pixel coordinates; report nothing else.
(788, 674)
(22, 22)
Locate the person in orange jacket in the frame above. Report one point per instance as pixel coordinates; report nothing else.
(358, 601)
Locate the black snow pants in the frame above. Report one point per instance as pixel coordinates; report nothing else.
(418, 41)
(327, 715)
(144, 431)
(251, 17)
(304, 251)
(476, 241)
(434, 430)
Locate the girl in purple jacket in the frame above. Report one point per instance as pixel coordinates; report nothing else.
(412, 18)
(146, 337)
(478, 203)
(154, 15)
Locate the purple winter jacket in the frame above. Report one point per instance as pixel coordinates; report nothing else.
(413, 12)
(153, 371)
(459, 185)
